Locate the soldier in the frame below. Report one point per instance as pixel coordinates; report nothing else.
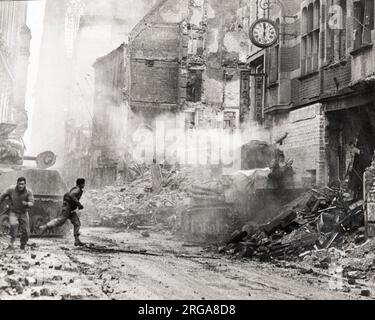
(21, 199)
(70, 204)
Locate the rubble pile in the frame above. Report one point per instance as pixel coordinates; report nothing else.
(359, 261)
(136, 206)
(319, 219)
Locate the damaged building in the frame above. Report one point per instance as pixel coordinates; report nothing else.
(317, 93)
(186, 59)
(15, 39)
(182, 66)
(108, 140)
(193, 62)
(85, 20)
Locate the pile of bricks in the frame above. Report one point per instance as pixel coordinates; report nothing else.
(317, 219)
(135, 204)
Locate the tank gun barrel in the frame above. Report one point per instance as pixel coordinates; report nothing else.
(43, 160)
(29, 158)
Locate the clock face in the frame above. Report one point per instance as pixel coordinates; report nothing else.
(264, 33)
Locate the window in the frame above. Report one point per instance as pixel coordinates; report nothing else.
(310, 43)
(274, 60)
(363, 22)
(257, 66)
(336, 31)
(194, 86)
(229, 120)
(195, 45)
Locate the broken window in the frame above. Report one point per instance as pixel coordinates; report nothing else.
(230, 119)
(194, 86)
(196, 45)
(150, 63)
(310, 28)
(363, 22)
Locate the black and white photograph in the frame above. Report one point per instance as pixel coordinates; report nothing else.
(200, 151)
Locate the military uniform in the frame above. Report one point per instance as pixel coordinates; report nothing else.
(70, 204)
(18, 214)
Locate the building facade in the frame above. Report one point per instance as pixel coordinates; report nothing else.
(186, 58)
(108, 139)
(192, 64)
(75, 34)
(316, 95)
(186, 63)
(15, 39)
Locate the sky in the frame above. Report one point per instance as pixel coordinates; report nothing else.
(35, 16)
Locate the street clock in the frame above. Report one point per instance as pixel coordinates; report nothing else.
(264, 33)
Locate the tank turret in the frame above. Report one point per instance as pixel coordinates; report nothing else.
(47, 185)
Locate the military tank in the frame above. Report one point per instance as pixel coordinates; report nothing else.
(47, 185)
(251, 195)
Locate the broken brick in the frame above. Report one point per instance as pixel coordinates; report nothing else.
(366, 293)
(10, 272)
(30, 281)
(46, 292)
(145, 234)
(15, 284)
(35, 293)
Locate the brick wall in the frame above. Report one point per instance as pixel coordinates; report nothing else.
(157, 83)
(154, 68)
(343, 75)
(157, 42)
(309, 88)
(305, 127)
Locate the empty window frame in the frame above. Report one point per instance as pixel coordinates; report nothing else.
(310, 43)
(363, 11)
(194, 86)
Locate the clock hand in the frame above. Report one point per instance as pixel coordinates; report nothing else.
(264, 30)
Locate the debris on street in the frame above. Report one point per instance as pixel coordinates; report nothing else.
(137, 206)
(218, 149)
(318, 219)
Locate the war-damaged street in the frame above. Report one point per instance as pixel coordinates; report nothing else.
(187, 149)
(158, 267)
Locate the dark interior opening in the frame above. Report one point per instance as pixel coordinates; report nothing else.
(351, 146)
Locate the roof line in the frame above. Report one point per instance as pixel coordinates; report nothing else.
(152, 11)
(122, 46)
